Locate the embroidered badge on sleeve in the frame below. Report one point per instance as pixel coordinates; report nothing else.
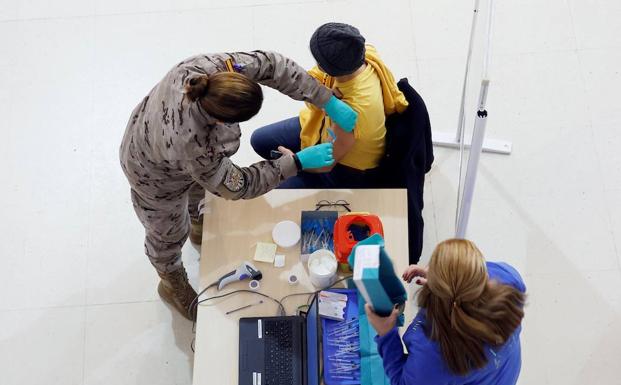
(234, 180)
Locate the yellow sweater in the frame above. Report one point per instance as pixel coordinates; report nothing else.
(362, 94)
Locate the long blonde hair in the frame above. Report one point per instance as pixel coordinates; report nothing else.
(464, 309)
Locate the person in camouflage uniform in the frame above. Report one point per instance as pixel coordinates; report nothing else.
(179, 139)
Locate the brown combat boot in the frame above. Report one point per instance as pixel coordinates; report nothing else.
(175, 289)
(196, 231)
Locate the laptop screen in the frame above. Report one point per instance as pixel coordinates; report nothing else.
(312, 343)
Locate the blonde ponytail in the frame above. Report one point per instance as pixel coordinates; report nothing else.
(464, 309)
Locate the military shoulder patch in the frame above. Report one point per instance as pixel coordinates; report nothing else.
(234, 180)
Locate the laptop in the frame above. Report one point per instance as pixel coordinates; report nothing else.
(280, 350)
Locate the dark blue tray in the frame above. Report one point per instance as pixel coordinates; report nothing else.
(351, 312)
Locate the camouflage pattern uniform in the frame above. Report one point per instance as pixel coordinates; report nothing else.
(172, 149)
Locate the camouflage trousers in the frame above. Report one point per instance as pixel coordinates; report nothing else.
(167, 224)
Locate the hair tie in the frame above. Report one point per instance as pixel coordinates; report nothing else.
(196, 87)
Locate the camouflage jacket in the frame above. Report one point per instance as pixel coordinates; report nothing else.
(171, 142)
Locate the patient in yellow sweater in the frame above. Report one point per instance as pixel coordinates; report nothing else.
(342, 64)
(363, 148)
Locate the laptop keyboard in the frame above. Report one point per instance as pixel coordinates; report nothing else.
(278, 337)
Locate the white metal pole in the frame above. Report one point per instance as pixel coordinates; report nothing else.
(462, 116)
(461, 120)
(457, 140)
(478, 136)
(488, 41)
(473, 162)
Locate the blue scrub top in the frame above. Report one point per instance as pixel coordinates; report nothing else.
(424, 363)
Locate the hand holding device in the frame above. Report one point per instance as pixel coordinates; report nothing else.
(317, 156)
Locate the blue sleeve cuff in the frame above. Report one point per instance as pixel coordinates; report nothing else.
(388, 337)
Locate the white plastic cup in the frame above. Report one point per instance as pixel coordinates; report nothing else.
(322, 267)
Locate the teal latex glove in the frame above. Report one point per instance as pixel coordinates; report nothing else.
(316, 156)
(341, 113)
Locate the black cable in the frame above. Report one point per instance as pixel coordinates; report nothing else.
(283, 311)
(282, 308)
(297, 311)
(193, 303)
(279, 302)
(314, 293)
(310, 293)
(338, 281)
(191, 307)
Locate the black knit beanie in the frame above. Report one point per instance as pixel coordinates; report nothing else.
(338, 48)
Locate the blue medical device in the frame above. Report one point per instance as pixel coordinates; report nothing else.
(375, 277)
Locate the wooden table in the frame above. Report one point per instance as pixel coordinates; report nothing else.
(229, 234)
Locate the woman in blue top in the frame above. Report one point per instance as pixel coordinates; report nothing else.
(468, 328)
